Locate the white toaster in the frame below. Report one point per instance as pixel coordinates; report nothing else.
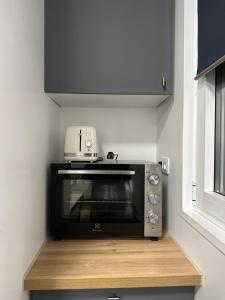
(80, 144)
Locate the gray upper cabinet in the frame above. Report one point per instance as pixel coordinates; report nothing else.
(109, 47)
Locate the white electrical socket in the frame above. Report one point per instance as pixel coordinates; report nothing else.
(165, 165)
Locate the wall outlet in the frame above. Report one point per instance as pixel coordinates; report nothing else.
(165, 165)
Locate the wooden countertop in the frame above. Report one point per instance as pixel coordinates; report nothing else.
(110, 263)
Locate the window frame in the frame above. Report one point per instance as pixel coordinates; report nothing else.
(207, 200)
(219, 180)
(198, 104)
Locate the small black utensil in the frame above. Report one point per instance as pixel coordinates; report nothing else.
(111, 155)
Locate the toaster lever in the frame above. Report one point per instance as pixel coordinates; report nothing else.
(80, 134)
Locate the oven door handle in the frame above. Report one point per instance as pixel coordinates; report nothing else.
(95, 172)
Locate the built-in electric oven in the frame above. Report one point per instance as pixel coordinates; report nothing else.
(105, 199)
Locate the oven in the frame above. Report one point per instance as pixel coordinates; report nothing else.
(102, 199)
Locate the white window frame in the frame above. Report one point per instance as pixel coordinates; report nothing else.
(206, 199)
(208, 214)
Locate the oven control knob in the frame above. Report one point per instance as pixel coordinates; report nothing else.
(154, 198)
(153, 217)
(154, 179)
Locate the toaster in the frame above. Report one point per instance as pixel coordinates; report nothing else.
(81, 144)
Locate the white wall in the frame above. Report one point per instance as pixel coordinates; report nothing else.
(209, 259)
(130, 132)
(28, 133)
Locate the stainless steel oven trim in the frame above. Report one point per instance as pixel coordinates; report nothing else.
(95, 172)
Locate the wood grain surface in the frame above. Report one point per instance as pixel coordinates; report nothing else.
(110, 263)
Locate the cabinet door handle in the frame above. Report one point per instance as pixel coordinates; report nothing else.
(113, 298)
(164, 82)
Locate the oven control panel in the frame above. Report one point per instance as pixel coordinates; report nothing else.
(153, 201)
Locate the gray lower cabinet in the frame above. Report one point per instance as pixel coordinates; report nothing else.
(109, 46)
(172, 293)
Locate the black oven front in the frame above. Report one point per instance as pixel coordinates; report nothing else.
(96, 199)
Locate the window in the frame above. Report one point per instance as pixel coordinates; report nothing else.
(203, 148)
(210, 147)
(219, 183)
(209, 166)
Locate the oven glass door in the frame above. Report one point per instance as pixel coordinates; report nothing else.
(101, 196)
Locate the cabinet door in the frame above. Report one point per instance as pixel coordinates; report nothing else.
(170, 293)
(109, 46)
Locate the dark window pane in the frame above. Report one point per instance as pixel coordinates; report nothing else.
(211, 33)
